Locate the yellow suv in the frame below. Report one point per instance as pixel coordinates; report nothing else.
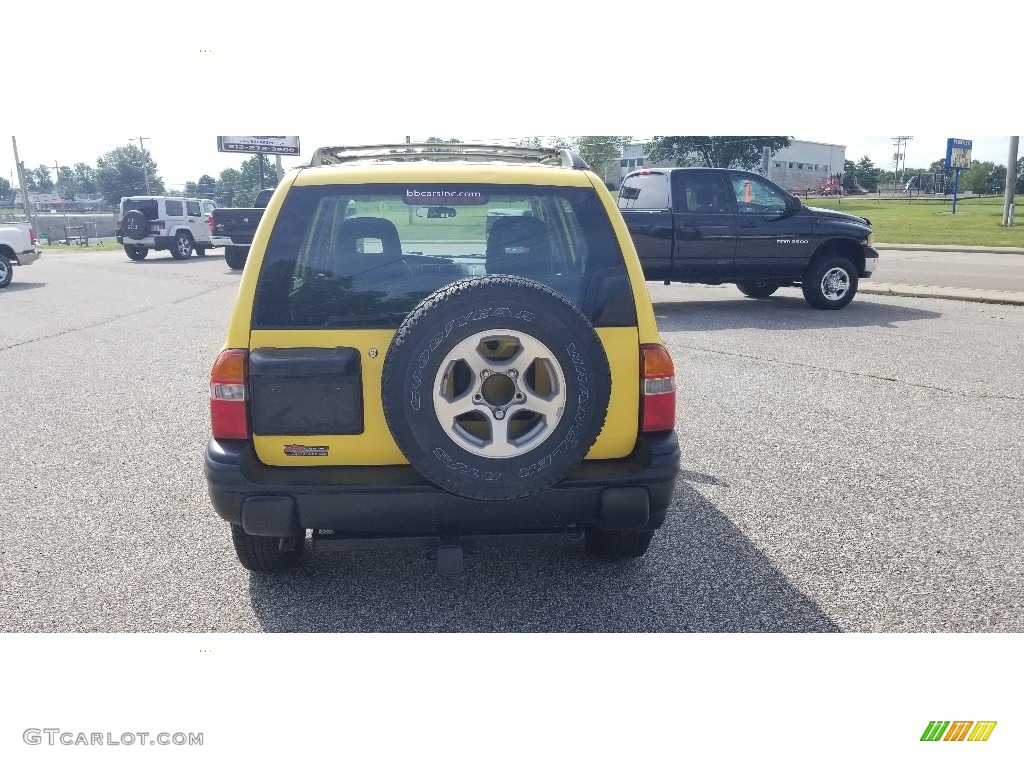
(436, 346)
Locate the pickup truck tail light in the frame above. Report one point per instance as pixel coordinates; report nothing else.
(212, 229)
(658, 393)
(31, 236)
(229, 415)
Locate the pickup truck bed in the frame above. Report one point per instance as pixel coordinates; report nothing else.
(239, 225)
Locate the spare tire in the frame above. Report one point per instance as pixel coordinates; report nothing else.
(135, 225)
(495, 387)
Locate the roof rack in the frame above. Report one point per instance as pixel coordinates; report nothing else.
(395, 153)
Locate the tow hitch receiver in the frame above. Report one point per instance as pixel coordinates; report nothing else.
(448, 551)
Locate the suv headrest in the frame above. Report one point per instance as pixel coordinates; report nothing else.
(520, 245)
(352, 230)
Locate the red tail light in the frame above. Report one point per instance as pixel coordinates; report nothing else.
(658, 396)
(229, 416)
(32, 236)
(211, 224)
(119, 224)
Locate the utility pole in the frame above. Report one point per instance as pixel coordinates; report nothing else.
(1011, 182)
(280, 168)
(24, 188)
(900, 141)
(63, 202)
(145, 171)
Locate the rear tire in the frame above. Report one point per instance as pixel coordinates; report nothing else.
(758, 290)
(618, 545)
(235, 256)
(263, 554)
(135, 252)
(200, 251)
(182, 246)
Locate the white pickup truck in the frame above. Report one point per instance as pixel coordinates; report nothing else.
(17, 245)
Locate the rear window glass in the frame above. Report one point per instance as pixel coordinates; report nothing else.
(363, 256)
(148, 207)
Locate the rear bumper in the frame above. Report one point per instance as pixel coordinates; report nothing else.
(634, 492)
(28, 257)
(154, 243)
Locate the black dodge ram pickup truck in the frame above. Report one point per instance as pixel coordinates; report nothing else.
(239, 224)
(715, 225)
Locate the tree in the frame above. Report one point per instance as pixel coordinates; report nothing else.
(246, 185)
(228, 184)
(119, 173)
(191, 189)
(5, 188)
(206, 187)
(85, 179)
(552, 142)
(714, 151)
(600, 151)
(43, 181)
(867, 173)
(66, 182)
(977, 178)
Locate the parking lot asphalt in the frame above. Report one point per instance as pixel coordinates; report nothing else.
(843, 471)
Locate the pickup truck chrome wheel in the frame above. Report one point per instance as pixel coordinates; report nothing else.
(6, 272)
(835, 284)
(830, 282)
(500, 393)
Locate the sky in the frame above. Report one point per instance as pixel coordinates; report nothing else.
(359, 76)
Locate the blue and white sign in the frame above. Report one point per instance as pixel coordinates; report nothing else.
(958, 153)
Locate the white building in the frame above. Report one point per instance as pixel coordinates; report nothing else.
(801, 164)
(806, 164)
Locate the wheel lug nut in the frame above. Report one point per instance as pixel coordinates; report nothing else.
(499, 414)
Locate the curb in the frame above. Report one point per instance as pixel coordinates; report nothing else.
(949, 248)
(980, 295)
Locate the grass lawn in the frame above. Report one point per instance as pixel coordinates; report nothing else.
(932, 222)
(108, 244)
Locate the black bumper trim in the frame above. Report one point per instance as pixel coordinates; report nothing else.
(633, 492)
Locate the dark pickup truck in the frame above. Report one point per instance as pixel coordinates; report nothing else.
(239, 224)
(714, 226)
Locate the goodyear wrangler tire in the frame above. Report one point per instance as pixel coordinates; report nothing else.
(495, 387)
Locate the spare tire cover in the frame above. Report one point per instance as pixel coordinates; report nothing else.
(495, 387)
(135, 225)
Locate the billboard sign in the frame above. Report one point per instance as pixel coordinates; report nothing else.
(268, 145)
(958, 153)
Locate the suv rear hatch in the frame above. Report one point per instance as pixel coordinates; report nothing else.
(346, 263)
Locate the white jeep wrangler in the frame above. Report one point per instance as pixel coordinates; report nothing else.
(178, 224)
